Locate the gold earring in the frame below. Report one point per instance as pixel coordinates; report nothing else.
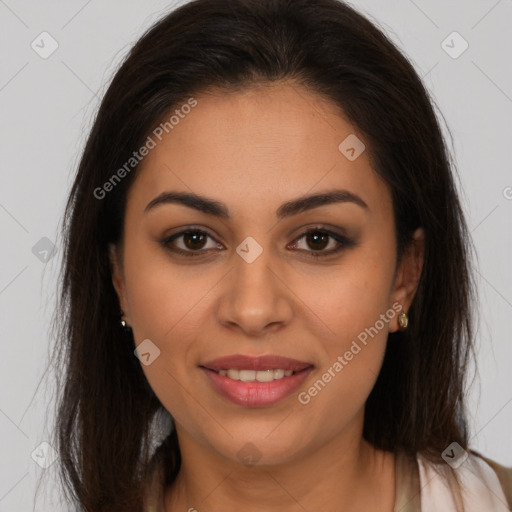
(403, 320)
(124, 325)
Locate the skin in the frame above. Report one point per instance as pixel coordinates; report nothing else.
(254, 150)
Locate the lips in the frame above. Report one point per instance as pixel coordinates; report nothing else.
(244, 390)
(269, 362)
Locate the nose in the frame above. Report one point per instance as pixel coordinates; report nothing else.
(255, 297)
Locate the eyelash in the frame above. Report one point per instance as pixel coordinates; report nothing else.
(341, 239)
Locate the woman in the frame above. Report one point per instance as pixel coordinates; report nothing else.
(265, 247)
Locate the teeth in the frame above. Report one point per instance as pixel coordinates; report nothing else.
(253, 375)
(279, 374)
(234, 374)
(247, 375)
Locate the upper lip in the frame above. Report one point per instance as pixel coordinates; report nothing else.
(269, 362)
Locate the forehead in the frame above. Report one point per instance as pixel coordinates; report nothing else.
(251, 147)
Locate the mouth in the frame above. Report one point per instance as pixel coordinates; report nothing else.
(256, 381)
(267, 375)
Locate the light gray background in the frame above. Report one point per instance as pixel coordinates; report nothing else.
(46, 111)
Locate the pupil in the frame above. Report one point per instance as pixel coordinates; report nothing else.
(315, 237)
(196, 239)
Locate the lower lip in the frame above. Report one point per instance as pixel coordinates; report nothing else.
(256, 394)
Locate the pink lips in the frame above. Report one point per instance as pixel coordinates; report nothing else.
(256, 394)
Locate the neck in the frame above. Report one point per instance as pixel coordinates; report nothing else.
(332, 477)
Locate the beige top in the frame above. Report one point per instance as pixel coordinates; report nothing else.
(487, 486)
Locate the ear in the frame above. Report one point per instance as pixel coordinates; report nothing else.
(408, 276)
(118, 281)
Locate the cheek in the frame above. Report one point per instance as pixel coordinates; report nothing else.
(351, 297)
(355, 307)
(165, 305)
(353, 358)
(161, 294)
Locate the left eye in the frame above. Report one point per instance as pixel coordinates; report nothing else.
(319, 239)
(194, 242)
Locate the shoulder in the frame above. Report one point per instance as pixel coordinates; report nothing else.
(485, 484)
(504, 475)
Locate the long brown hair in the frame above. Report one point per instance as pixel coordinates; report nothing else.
(105, 404)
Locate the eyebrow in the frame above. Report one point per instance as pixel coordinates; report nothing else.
(288, 209)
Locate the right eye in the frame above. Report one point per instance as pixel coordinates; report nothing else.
(193, 242)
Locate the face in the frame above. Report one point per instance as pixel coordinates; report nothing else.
(313, 282)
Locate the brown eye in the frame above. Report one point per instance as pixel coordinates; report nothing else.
(193, 242)
(317, 240)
